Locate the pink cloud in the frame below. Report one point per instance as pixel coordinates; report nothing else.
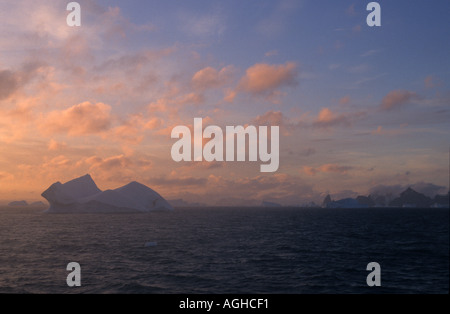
(191, 99)
(271, 53)
(118, 168)
(82, 119)
(154, 124)
(129, 131)
(270, 118)
(344, 100)
(5, 176)
(310, 171)
(397, 98)
(230, 95)
(54, 145)
(327, 168)
(110, 163)
(326, 118)
(266, 79)
(60, 161)
(211, 78)
(275, 118)
(432, 81)
(381, 131)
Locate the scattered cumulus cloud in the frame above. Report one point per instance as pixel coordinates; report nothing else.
(344, 100)
(83, 119)
(209, 77)
(54, 145)
(327, 168)
(397, 98)
(266, 79)
(276, 118)
(327, 118)
(271, 53)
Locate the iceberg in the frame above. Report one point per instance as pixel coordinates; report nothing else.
(18, 203)
(81, 195)
(346, 203)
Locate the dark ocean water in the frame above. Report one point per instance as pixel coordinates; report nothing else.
(226, 250)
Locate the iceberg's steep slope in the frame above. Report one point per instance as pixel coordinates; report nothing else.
(144, 196)
(83, 195)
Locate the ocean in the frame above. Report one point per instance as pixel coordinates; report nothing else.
(226, 251)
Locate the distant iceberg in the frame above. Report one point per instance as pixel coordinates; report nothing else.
(82, 195)
(346, 203)
(18, 203)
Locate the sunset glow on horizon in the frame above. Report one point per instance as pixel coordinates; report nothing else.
(359, 108)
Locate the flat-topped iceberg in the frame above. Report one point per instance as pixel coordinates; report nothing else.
(82, 195)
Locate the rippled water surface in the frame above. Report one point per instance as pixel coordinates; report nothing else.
(226, 250)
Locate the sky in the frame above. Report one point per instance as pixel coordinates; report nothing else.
(360, 109)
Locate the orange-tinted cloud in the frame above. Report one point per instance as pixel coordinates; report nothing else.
(154, 124)
(344, 100)
(397, 98)
(266, 79)
(381, 131)
(130, 130)
(270, 118)
(82, 119)
(180, 181)
(275, 118)
(5, 176)
(211, 78)
(271, 53)
(326, 118)
(60, 161)
(110, 163)
(432, 81)
(191, 99)
(54, 145)
(230, 95)
(119, 168)
(327, 168)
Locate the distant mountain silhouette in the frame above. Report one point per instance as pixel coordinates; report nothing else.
(366, 200)
(442, 200)
(411, 198)
(408, 198)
